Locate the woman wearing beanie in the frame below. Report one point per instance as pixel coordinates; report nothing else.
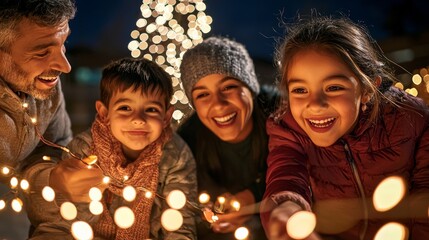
(226, 133)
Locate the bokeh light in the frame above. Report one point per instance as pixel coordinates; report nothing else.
(16, 204)
(388, 193)
(82, 231)
(124, 217)
(95, 194)
(68, 211)
(301, 224)
(171, 219)
(176, 199)
(392, 231)
(48, 194)
(129, 193)
(96, 207)
(241, 233)
(204, 198)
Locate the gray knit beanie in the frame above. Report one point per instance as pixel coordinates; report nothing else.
(217, 55)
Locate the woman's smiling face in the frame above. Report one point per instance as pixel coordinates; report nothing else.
(224, 105)
(324, 95)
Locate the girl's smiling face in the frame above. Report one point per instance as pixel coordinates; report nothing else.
(324, 95)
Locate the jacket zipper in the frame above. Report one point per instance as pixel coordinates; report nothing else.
(353, 167)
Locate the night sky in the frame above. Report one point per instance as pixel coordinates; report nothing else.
(105, 25)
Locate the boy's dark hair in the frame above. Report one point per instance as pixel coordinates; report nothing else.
(42, 12)
(137, 74)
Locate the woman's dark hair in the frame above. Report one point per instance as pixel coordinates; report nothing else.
(346, 39)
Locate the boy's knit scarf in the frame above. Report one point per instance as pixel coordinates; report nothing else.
(143, 172)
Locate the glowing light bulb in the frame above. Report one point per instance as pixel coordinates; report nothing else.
(204, 198)
(148, 194)
(46, 158)
(96, 207)
(48, 194)
(129, 193)
(176, 199)
(2, 204)
(388, 193)
(125, 178)
(241, 233)
(17, 204)
(82, 231)
(13, 182)
(68, 211)
(33, 120)
(301, 224)
(124, 217)
(25, 105)
(95, 194)
(24, 184)
(171, 219)
(106, 180)
(392, 231)
(236, 205)
(5, 170)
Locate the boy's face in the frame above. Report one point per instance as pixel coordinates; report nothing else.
(324, 95)
(135, 119)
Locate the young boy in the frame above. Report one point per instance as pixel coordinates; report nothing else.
(135, 146)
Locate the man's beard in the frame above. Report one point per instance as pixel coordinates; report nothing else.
(19, 81)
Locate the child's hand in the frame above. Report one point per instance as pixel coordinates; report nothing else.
(278, 220)
(229, 222)
(235, 215)
(73, 179)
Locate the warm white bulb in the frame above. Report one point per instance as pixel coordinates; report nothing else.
(13, 182)
(68, 211)
(129, 193)
(171, 219)
(176, 199)
(124, 217)
(24, 184)
(241, 233)
(5, 170)
(95, 194)
(82, 230)
(204, 198)
(2, 204)
(17, 204)
(301, 224)
(48, 194)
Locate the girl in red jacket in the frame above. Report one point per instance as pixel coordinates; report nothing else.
(342, 129)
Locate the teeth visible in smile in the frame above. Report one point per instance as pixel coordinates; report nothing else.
(48, 78)
(225, 118)
(322, 123)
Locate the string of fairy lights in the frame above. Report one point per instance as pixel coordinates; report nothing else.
(387, 195)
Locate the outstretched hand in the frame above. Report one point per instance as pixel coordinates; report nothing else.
(74, 179)
(234, 218)
(279, 218)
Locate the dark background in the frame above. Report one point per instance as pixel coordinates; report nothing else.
(101, 32)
